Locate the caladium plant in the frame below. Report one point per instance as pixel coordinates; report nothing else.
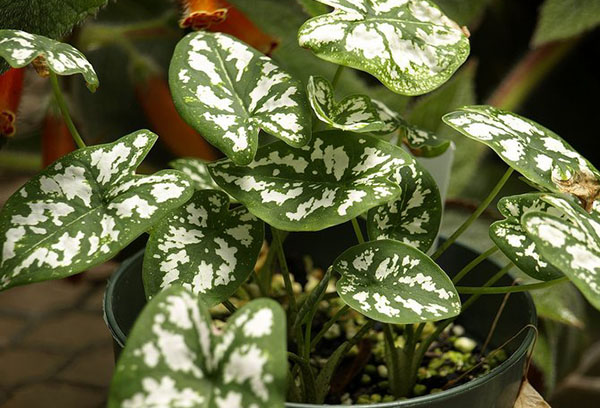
(207, 221)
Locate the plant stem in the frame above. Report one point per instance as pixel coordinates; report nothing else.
(285, 272)
(357, 231)
(395, 382)
(495, 278)
(229, 306)
(484, 204)
(343, 310)
(337, 75)
(463, 272)
(509, 289)
(64, 110)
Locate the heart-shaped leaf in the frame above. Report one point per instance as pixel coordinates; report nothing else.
(228, 91)
(409, 45)
(174, 358)
(571, 244)
(510, 237)
(334, 178)
(536, 152)
(83, 209)
(421, 142)
(392, 282)
(415, 216)
(204, 247)
(19, 48)
(354, 113)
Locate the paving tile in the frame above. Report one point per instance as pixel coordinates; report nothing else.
(18, 365)
(95, 367)
(9, 327)
(72, 331)
(41, 297)
(55, 396)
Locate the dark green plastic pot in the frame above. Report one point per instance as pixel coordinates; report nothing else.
(124, 299)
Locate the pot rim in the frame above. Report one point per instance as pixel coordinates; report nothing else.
(119, 337)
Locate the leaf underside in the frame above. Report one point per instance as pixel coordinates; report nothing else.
(393, 282)
(19, 48)
(83, 209)
(334, 178)
(228, 91)
(409, 45)
(173, 357)
(203, 246)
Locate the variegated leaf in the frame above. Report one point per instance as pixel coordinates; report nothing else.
(354, 113)
(536, 152)
(334, 178)
(393, 282)
(421, 142)
(415, 216)
(409, 45)
(572, 244)
(174, 358)
(19, 48)
(83, 209)
(203, 246)
(228, 91)
(510, 237)
(197, 171)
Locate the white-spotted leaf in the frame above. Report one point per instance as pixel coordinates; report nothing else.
(203, 246)
(355, 113)
(536, 152)
(83, 209)
(197, 170)
(415, 216)
(228, 91)
(392, 282)
(19, 48)
(422, 143)
(510, 237)
(334, 178)
(175, 358)
(409, 45)
(571, 244)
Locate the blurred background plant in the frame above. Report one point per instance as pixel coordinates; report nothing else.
(537, 58)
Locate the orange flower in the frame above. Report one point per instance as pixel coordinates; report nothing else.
(11, 85)
(155, 99)
(221, 16)
(56, 138)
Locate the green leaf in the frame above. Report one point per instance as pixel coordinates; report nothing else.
(83, 209)
(174, 358)
(313, 8)
(355, 113)
(334, 178)
(203, 246)
(392, 282)
(19, 48)
(572, 245)
(461, 11)
(510, 237)
(51, 18)
(536, 152)
(561, 303)
(415, 216)
(228, 91)
(561, 19)
(409, 45)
